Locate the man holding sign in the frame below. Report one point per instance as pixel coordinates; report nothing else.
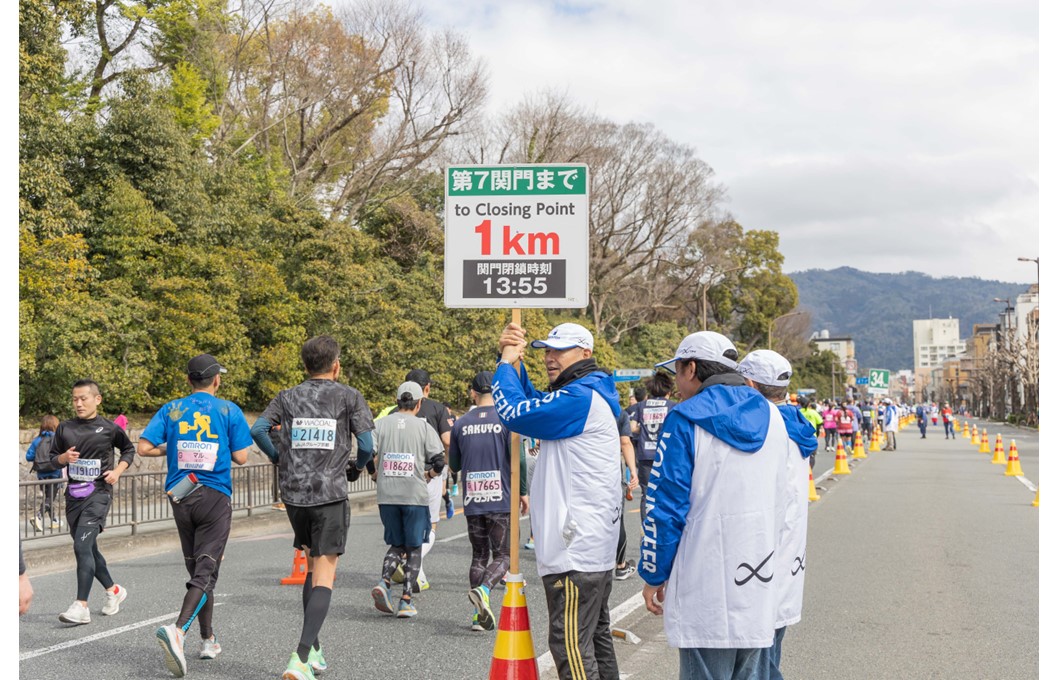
(576, 489)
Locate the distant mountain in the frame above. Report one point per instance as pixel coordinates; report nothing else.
(876, 310)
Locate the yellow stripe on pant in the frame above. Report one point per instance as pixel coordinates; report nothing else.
(572, 633)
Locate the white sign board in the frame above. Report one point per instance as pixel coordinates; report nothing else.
(516, 236)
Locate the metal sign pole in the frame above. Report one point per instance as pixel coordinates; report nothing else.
(516, 450)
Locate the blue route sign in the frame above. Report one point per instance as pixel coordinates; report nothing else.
(862, 381)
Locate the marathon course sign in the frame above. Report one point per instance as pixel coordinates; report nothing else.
(516, 236)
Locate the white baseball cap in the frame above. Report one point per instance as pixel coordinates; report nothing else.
(766, 367)
(566, 336)
(705, 345)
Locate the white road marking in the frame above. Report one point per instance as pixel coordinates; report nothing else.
(825, 475)
(464, 534)
(545, 662)
(1030, 485)
(99, 636)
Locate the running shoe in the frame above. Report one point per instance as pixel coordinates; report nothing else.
(210, 648)
(297, 670)
(38, 522)
(56, 524)
(77, 613)
(316, 660)
(115, 596)
(406, 610)
(624, 573)
(475, 626)
(450, 508)
(171, 640)
(421, 584)
(530, 545)
(479, 597)
(380, 594)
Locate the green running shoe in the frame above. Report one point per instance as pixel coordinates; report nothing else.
(316, 660)
(479, 597)
(297, 670)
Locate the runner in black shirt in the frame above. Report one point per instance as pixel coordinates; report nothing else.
(319, 424)
(85, 446)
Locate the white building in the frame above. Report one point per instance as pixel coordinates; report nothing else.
(936, 340)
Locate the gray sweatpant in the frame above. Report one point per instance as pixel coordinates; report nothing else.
(579, 625)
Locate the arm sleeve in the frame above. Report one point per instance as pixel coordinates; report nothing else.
(555, 415)
(155, 430)
(668, 499)
(435, 450)
(360, 419)
(259, 432)
(455, 457)
(365, 444)
(31, 454)
(124, 444)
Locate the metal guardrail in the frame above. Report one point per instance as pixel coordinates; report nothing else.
(139, 498)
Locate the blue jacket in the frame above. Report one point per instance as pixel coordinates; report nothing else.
(799, 429)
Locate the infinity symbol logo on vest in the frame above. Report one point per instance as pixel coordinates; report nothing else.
(799, 564)
(754, 572)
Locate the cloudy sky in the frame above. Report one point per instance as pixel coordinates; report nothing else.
(888, 136)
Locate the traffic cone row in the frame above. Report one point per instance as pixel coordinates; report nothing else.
(1000, 458)
(857, 447)
(984, 442)
(841, 461)
(1013, 462)
(512, 655)
(813, 495)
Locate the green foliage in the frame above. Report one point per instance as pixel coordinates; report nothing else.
(191, 109)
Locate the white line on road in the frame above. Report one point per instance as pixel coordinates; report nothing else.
(99, 636)
(1032, 487)
(462, 535)
(545, 662)
(825, 475)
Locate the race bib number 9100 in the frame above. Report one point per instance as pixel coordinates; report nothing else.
(398, 465)
(313, 433)
(484, 486)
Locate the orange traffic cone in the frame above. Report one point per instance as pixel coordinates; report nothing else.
(974, 439)
(298, 571)
(512, 655)
(984, 442)
(1036, 503)
(1013, 462)
(857, 447)
(875, 441)
(813, 495)
(841, 461)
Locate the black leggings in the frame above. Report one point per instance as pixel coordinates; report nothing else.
(489, 533)
(90, 563)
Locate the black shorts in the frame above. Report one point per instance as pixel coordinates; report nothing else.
(91, 511)
(322, 528)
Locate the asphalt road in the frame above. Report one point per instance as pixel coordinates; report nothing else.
(922, 564)
(258, 621)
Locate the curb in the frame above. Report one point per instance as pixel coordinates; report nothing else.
(120, 544)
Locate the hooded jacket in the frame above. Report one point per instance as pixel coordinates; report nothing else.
(715, 508)
(576, 490)
(793, 536)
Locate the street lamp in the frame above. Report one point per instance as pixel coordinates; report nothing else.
(772, 324)
(1037, 261)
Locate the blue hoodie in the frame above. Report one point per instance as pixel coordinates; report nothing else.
(800, 430)
(549, 415)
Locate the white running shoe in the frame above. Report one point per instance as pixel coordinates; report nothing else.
(171, 640)
(77, 614)
(210, 648)
(115, 596)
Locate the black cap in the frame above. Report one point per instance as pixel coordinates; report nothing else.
(482, 383)
(418, 375)
(204, 366)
